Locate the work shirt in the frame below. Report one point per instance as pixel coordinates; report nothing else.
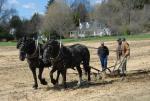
(103, 51)
(125, 49)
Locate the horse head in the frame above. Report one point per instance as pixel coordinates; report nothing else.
(27, 46)
(51, 50)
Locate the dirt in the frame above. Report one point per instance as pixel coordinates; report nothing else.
(16, 78)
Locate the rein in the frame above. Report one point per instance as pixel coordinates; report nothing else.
(35, 52)
(33, 55)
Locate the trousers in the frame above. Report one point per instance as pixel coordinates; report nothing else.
(123, 66)
(103, 61)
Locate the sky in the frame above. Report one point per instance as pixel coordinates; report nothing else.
(26, 8)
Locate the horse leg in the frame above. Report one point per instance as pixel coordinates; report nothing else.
(89, 73)
(58, 73)
(80, 75)
(33, 69)
(87, 69)
(64, 78)
(42, 80)
(53, 81)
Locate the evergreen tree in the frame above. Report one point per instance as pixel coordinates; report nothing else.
(50, 2)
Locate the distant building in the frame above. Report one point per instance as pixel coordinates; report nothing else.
(91, 28)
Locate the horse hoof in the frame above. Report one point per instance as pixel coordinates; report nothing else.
(35, 86)
(43, 82)
(79, 84)
(54, 82)
(65, 86)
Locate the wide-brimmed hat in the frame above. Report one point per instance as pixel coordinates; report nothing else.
(119, 39)
(123, 39)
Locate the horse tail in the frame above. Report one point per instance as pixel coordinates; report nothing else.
(85, 67)
(85, 63)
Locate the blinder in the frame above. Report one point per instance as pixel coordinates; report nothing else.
(51, 47)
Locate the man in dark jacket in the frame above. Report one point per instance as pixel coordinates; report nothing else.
(103, 53)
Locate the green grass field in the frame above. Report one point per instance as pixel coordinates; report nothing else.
(7, 43)
(93, 39)
(110, 38)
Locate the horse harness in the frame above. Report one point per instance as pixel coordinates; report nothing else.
(60, 57)
(35, 54)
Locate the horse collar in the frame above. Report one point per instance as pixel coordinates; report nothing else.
(55, 58)
(33, 55)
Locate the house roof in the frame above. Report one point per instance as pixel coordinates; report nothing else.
(90, 25)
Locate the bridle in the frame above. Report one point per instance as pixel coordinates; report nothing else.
(34, 54)
(59, 53)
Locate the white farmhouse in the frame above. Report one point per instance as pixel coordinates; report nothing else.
(91, 28)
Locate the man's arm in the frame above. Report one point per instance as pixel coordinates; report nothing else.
(107, 50)
(127, 50)
(98, 51)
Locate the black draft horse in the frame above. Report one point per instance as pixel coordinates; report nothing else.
(63, 57)
(33, 53)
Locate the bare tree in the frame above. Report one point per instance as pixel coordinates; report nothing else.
(80, 13)
(1, 5)
(36, 22)
(123, 16)
(5, 13)
(58, 19)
